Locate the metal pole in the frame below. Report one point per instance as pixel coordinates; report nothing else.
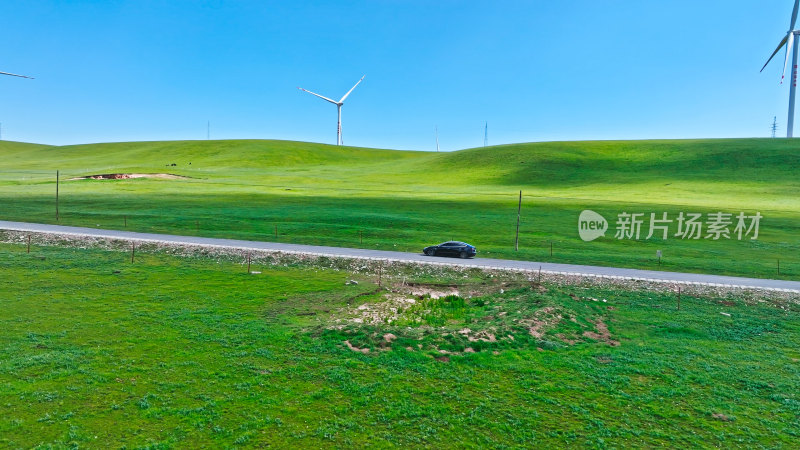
(793, 87)
(339, 125)
(57, 176)
(519, 210)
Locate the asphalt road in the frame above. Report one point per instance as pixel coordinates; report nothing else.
(551, 268)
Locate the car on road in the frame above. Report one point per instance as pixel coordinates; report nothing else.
(451, 248)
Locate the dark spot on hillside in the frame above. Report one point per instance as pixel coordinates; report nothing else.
(128, 176)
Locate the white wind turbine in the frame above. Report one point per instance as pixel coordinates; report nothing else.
(15, 75)
(338, 108)
(791, 41)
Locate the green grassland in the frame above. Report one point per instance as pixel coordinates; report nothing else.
(192, 351)
(321, 194)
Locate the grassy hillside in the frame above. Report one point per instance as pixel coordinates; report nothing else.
(98, 352)
(324, 194)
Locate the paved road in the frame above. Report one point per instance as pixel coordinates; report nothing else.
(552, 268)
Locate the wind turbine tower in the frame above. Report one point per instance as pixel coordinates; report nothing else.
(486, 135)
(338, 108)
(791, 41)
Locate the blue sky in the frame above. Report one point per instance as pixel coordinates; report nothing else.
(534, 70)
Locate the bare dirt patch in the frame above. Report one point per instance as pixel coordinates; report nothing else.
(356, 349)
(543, 320)
(421, 290)
(128, 176)
(602, 334)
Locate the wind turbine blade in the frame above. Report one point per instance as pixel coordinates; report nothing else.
(794, 15)
(783, 42)
(789, 45)
(15, 75)
(312, 93)
(354, 86)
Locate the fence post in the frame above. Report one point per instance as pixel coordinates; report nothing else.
(519, 211)
(133, 250)
(57, 182)
(29, 243)
(679, 298)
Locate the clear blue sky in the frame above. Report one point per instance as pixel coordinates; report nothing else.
(536, 70)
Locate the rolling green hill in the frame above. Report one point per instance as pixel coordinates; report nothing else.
(322, 194)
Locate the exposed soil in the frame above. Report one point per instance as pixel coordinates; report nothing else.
(544, 319)
(602, 334)
(433, 291)
(356, 349)
(127, 176)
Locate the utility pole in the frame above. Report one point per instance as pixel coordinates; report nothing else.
(486, 135)
(57, 176)
(774, 127)
(519, 211)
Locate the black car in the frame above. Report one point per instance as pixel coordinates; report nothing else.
(451, 248)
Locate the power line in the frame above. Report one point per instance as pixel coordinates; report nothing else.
(774, 126)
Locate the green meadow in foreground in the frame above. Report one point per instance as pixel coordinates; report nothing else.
(192, 351)
(400, 200)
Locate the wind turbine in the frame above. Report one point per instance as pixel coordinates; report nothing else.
(338, 108)
(15, 75)
(791, 41)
